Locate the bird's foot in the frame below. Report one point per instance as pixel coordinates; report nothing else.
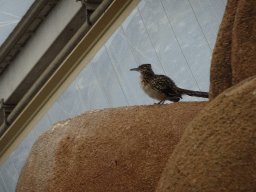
(160, 102)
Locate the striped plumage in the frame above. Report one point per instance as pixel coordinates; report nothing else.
(161, 87)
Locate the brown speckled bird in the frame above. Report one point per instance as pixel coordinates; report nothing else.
(161, 87)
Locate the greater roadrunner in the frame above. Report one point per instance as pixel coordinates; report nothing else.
(161, 87)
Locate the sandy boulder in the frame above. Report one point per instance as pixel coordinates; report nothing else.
(233, 58)
(121, 149)
(217, 151)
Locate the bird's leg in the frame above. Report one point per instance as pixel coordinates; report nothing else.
(161, 102)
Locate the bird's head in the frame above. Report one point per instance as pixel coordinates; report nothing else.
(144, 68)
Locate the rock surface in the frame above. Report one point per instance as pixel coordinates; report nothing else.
(217, 151)
(121, 149)
(234, 57)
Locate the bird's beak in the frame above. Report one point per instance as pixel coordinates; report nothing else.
(134, 69)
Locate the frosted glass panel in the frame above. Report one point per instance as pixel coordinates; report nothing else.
(73, 101)
(123, 60)
(9, 174)
(57, 112)
(106, 76)
(191, 39)
(2, 184)
(91, 90)
(43, 124)
(18, 158)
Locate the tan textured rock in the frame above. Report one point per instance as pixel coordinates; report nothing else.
(234, 57)
(217, 151)
(38, 168)
(121, 149)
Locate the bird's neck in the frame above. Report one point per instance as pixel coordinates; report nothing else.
(147, 74)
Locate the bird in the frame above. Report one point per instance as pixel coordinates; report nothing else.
(161, 87)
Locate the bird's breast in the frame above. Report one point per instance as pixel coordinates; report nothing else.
(146, 87)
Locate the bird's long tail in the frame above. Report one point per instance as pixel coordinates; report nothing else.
(194, 93)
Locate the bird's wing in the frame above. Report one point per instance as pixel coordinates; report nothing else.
(165, 85)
